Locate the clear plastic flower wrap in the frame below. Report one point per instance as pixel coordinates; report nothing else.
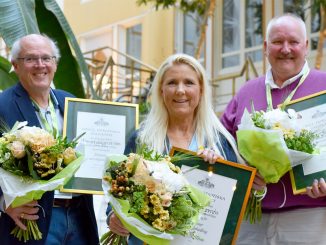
(151, 197)
(32, 162)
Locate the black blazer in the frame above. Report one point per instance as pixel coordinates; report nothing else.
(15, 105)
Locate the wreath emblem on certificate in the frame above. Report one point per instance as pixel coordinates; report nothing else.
(206, 183)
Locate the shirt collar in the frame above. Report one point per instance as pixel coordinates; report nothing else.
(54, 102)
(54, 99)
(270, 80)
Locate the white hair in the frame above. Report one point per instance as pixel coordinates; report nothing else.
(284, 17)
(153, 129)
(17, 46)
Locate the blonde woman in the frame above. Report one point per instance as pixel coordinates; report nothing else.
(181, 115)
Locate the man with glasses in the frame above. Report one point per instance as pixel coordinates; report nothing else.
(66, 221)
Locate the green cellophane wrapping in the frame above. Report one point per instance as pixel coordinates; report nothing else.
(265, 150)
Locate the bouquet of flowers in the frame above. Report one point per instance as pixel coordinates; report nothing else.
(31, 163)
(151, 197)
(273, 142)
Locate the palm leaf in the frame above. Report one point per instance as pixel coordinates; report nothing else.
(17, 19)
(7, 78)
(68, 76)
(52, 6)
(22, 17)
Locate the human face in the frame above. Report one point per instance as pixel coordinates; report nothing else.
(35, 77)
(181, 91)
(286, 49)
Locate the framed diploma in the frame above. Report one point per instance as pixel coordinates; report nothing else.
(312, 110)
(107, 127)
(228, 184)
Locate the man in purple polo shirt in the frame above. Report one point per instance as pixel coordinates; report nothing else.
(287, 218)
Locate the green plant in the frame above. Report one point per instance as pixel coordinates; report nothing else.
(19, 18)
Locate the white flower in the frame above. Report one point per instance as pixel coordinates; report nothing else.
(282, 119)
(38, 139)
(275, 116)
(161, 171)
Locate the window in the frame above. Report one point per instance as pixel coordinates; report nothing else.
(253, 29)
(310, 14)
(133, 42)
(133, 47)
(242, 32)
(191, 33)
(231, 33)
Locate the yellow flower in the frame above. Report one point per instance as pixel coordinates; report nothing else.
(169, 224)
(277, 126)
(158, 224)
(145, 210)
(69, 155)
(164, 215)
(158, 209)
(154, 199)
(129, 167)
(288, 133)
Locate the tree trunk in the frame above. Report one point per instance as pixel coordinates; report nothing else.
(208, 13)
(322, 33)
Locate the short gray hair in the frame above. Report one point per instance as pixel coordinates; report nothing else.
(16, 47)
(276, 19)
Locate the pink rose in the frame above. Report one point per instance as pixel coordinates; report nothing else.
(17, 149)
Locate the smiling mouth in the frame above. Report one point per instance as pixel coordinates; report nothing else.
(180, 101)
(285, 58)
(40, 74)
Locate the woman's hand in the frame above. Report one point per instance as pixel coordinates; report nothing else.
(26, 211)
(317, 189)
(116, 226)
(209, 155)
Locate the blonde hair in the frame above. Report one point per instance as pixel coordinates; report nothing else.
(153, 129)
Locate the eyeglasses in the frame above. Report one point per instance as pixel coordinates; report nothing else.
(34, 59)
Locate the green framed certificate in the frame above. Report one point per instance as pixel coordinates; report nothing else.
(312, 110)
(107, 127)
(228, 184)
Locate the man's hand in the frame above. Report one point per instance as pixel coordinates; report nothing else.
(26, 211)
(259, 183)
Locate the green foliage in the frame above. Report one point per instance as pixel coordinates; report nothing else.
(258, 119)
(253, 211)
(19, 18)
(138, 201)
(144, 107)
(7, 77)
(198, 6)
(303, 142)
(147, 153)
(68, 75)
(182, 209)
